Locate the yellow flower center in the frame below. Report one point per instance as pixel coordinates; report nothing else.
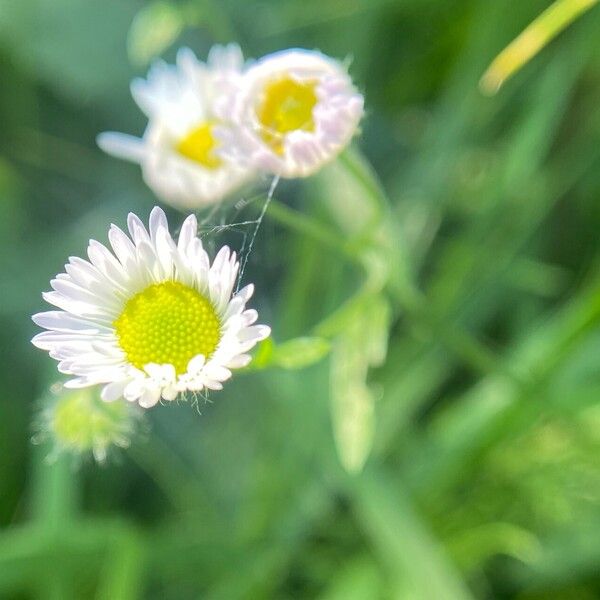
(168, 323)
(286, 105)
(199, 145)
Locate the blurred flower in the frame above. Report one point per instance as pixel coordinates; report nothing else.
(180, 157)
(76, 421)
(294, 111)
(151, 320)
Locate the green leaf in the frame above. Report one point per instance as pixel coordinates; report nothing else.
(532, 40)
(474, 546)
(361, 344)
(352, 405)
(357, 579)
(154, 29)
(415, 560)
(296, 353)
(300, 352)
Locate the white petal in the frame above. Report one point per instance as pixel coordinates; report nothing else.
(165, 252)
(150, 397)
(79, 294)
(254, 333)
(187, 62)
(188, 232)
(124, 250)
(82, 272)
(59, 320)
(196, 364)
(122, 146)
(78, 383)
(134, 389)
(107, 264)
(213, 385)
(250, 317)
(158, 220)
(239, 361)
(169, 393)
(137, 230)
(113, 391)
(217, 372)
(235, 307)
(227, 57)
(48, 340)
(246, 292)
(149, 261)
(81, 309)
(154, 370)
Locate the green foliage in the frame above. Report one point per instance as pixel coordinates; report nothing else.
(424, 423)
(155, 27)
(296, 353)
(535, 37)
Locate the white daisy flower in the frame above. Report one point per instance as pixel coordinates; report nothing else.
(150, 319)
(180, 157)
(294, 111)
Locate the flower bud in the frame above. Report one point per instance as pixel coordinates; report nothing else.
(80, 423)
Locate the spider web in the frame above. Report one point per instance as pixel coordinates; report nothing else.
(236, 225)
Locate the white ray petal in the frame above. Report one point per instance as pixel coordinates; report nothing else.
(158, 220)
(113, 391)
(121, 145)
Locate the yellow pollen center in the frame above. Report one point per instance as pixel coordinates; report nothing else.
(286, 105)
(199, 145)
(167, 323)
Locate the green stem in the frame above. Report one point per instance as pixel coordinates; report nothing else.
(303, 225)
(53, 490)
(406, 293)
(400, 285)
(364, 175)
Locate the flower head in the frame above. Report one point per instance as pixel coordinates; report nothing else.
(180, 156)
(293, 112)
(150, 319)
(77, 422)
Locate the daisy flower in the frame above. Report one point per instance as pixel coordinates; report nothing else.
(180, 157)
(150, 319)
(294, 111)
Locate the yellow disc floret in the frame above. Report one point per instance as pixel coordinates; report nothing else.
(168, 323)
(286, 105)
(199, 145)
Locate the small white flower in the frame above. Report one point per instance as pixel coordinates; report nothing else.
(150, 319)
(293, 112)
(180, 157)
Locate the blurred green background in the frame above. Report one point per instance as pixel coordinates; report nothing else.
(474, 251)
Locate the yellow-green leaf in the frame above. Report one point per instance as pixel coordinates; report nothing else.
(154, 29)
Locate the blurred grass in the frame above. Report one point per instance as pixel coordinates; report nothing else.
(535, 37)
(435, 319)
